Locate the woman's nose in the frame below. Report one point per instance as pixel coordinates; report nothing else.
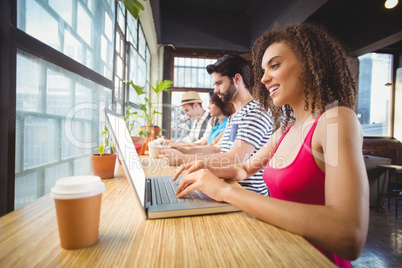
(266, 78)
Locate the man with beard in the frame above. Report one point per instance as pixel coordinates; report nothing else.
(247, 130)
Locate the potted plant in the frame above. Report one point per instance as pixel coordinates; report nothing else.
(141, 137)
(103, 164)
(148, 108)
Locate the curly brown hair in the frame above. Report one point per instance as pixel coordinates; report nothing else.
(325, 70)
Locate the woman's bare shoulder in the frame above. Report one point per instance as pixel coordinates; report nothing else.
(340, 120)
(339, 114)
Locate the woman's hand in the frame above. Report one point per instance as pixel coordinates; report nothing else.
(190, 167)
(204, 181)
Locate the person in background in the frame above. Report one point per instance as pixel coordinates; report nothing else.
(247, 130)
(181, 123)
(219, 112)
(201, 126)
(314, 166)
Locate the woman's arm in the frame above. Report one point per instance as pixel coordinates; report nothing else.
(236, 171)
(341, 225)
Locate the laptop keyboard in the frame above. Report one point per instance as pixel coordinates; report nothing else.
(166, 192)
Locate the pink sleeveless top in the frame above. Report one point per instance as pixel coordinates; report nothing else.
(301, 181)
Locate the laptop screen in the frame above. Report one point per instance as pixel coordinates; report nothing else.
(127, 154)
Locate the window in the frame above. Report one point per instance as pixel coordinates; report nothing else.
(133, 60)
(57, 125)
(59, 106)
(59, 25)
(189, 73)
(375, 92)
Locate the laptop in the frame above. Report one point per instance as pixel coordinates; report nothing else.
(157, 194)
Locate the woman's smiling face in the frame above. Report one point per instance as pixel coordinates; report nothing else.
(282, 70)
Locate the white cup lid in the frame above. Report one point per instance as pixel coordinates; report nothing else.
(77, 187)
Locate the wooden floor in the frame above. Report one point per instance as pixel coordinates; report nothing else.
(384, 242)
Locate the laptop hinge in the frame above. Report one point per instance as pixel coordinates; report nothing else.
(148, 195)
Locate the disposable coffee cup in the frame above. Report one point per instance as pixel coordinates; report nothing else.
(153, 149)
(78, 205)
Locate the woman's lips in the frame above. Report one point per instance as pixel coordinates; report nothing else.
(272, 89)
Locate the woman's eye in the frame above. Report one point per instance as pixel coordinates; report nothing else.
(274, 66)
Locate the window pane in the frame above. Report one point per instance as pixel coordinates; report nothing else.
(27, 189)
(141, 42)
(83, 18)
(72, 28)
(120, 17)
(59, 117)
(40, 24)
(63, 8)
(40, 141)
(374, 107)
(72, 47)
(52, 174)
(191, 72)
(132, 30)
(30, 87)
(58, 92)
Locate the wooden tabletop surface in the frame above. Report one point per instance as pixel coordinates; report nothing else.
(29, 236)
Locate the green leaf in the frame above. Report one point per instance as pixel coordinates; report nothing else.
(162, 86)
(101, 149)
(138, 89)
(112, 146)
(133, 6)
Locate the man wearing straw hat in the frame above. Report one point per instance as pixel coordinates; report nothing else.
(200, 127)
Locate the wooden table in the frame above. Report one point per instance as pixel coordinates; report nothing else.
(29, 236)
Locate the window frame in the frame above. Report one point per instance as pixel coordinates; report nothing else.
(190, 55)
(391, 122)
(12, 40)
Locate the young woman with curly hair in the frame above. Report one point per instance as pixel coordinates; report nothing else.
(313, 164)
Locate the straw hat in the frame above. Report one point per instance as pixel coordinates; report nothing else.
(190, 97)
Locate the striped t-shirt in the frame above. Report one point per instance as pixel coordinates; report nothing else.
(251, 124)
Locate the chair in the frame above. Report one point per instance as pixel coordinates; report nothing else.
(394, 192)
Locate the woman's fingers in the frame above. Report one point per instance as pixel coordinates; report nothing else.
(186, 185)
(194, 167)
(178, 171)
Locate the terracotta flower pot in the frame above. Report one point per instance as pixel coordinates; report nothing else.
(103, 166)
(154, 132)
(144, 146)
